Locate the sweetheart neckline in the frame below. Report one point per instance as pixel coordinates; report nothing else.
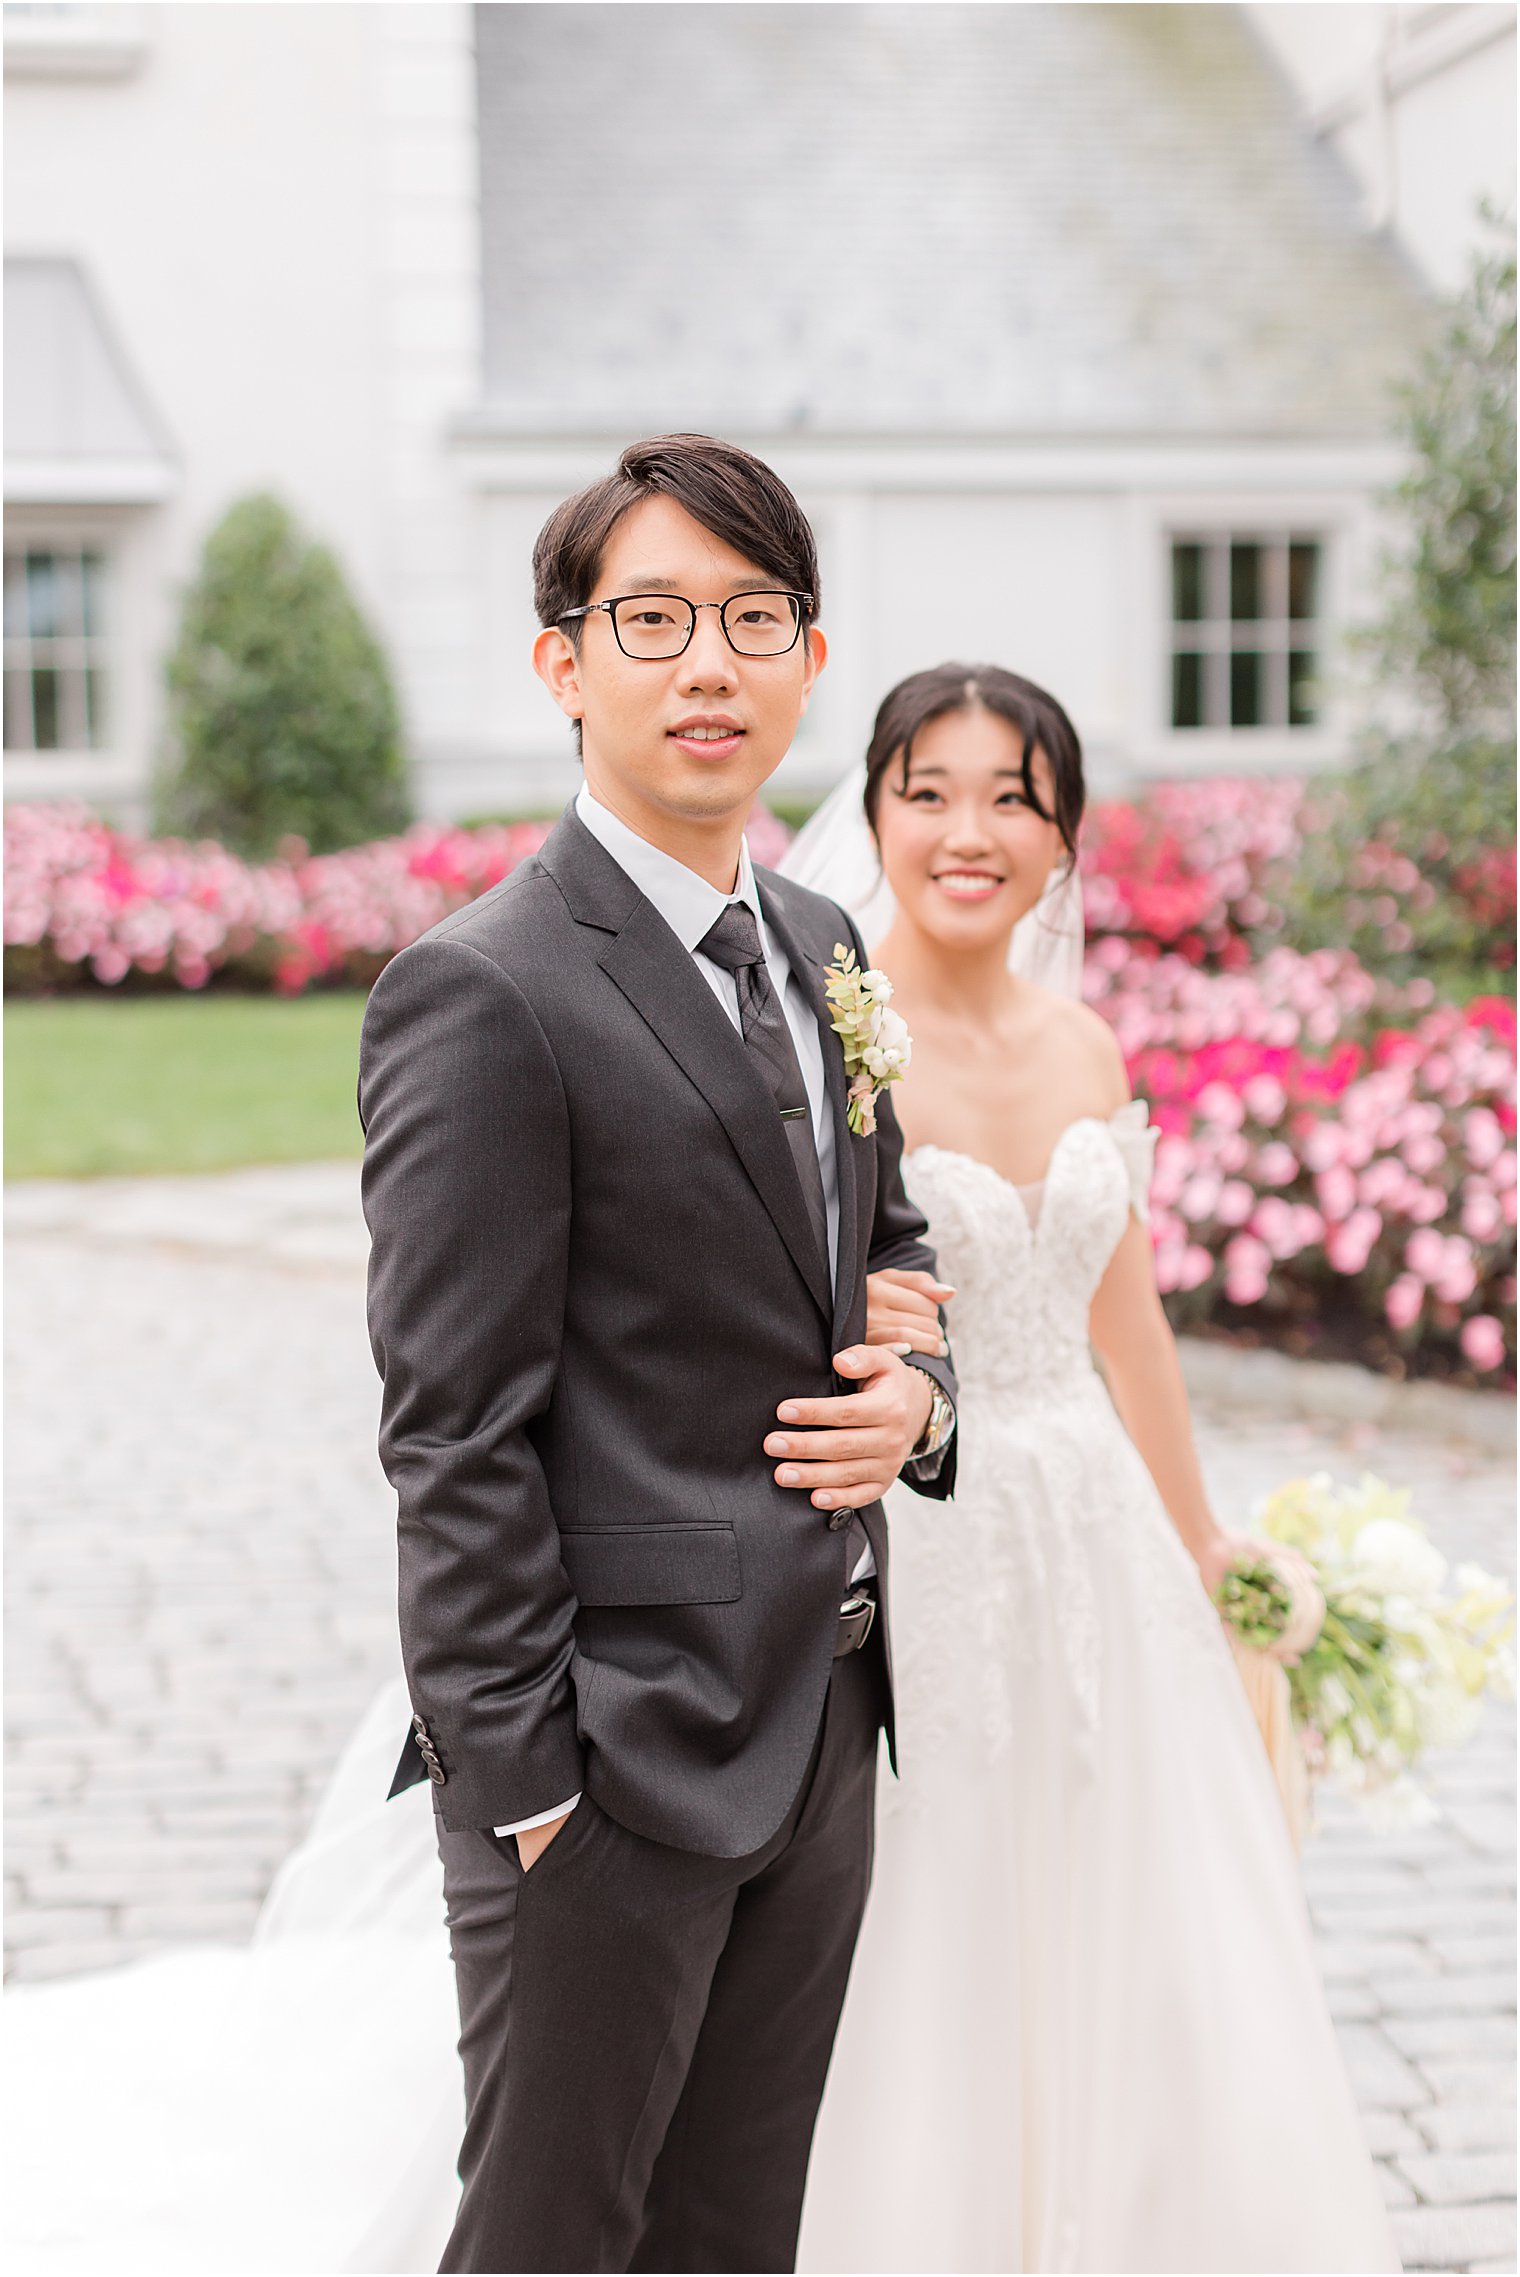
(955, 1154)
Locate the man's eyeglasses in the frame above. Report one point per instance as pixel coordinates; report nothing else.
(655, 625)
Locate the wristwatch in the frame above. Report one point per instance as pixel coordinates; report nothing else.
(938, 1428)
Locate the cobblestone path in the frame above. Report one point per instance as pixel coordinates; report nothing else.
(201, 1571)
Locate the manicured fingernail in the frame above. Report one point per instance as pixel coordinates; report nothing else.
(944, 1349)
(786, 1475)
(823, 1502)
(900, 1348)
(786, 1414)
(776, 1445)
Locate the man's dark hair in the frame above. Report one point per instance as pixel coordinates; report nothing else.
(1037, 718)
(729, 491)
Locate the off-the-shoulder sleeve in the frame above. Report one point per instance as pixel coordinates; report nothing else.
(1135, 1136)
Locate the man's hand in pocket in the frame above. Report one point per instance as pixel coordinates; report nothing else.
(535, 1840)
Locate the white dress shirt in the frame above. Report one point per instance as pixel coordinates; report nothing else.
(691, 907)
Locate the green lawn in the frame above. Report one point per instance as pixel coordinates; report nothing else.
(99, 1086)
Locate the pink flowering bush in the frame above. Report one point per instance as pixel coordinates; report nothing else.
(1191, 865)
(1336, 1162)
(85, 901)
(1221, 870)
(82, 899)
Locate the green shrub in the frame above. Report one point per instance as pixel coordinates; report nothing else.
(283, 719)
(1412, 860)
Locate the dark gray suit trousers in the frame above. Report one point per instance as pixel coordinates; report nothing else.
(645, 2031)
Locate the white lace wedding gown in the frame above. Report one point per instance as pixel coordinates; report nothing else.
(1084, 2029)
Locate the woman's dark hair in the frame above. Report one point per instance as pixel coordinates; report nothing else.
(1036, 717)
(728, 491)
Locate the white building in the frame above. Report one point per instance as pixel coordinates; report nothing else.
(1072, 325)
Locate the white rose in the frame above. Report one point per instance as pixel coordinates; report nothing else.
(1397, 1559)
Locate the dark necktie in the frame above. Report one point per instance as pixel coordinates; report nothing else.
(734, 943)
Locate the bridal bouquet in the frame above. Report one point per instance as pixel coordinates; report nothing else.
(1403, 1652)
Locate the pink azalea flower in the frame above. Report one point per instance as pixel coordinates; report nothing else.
(1276, 1164)
(1337, 1193)
(1219, 1104)
(1247, 1266)
(1324, 1147)
(1234, 1203)
(1424, 1154)
(1459, 1274)
(1482, 1136)
(1265, 1099)
(1425, 1254)
(1482, 1216)
(1349, 1245)
(1482, 1340)
(1199, 1196)
(1405, 1301)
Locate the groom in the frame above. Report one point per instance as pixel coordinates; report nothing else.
(621, 1231)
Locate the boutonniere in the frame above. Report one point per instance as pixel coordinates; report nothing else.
(877, 1045)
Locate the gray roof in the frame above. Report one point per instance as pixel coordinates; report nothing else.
(940, 219)
(77, 424)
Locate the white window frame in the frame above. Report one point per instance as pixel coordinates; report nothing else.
(1343, 523)
(1218, 635)
(71, 655)
(113, 778)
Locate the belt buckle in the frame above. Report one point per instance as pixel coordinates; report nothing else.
(859, 1602)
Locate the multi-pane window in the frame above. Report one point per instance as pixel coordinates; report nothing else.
(54, 650)
(1246, 631)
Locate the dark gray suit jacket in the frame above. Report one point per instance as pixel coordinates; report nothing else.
(592, 1279)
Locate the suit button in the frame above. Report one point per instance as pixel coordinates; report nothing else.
(436, 1771)
(839, 1519)
(419, 1727)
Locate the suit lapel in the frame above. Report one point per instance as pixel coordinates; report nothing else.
(661, 981)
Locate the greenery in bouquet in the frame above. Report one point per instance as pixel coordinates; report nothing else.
(1407, 1647)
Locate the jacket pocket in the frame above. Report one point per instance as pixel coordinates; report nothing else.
(652, 1565)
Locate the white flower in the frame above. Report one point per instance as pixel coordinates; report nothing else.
(1393, 1557)
(1445, 1715)
(890, 1050)
(1398, 1806)
(875, 1041)
(1334, 1700)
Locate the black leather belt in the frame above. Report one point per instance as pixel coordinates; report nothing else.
(856, 1616)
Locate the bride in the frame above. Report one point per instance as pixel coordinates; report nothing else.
(1084, 2029)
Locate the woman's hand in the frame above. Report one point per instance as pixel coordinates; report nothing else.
(903, 1309)
(1218, 1551)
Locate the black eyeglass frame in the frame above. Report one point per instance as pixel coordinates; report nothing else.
(803, 603)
